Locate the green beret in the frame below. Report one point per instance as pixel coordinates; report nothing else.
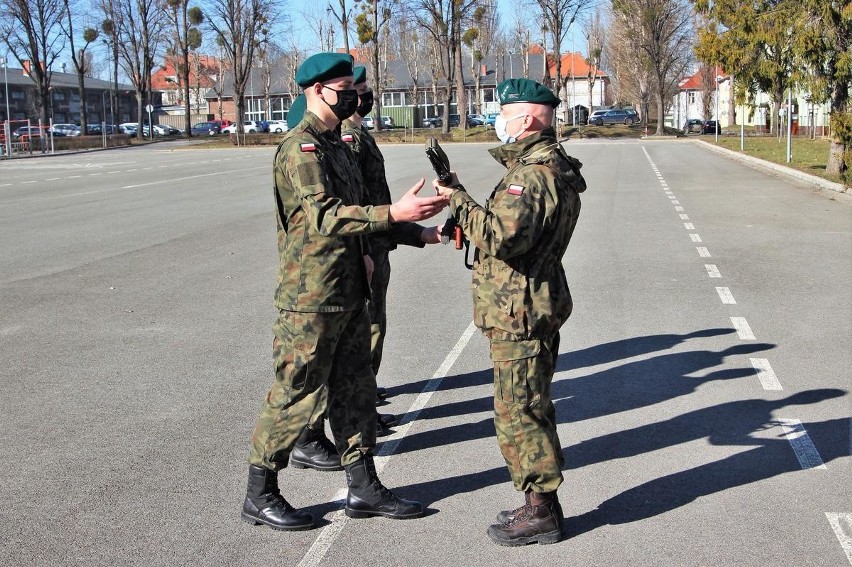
(324, 67)
(525, 90)
(360, 74)
(297, 111)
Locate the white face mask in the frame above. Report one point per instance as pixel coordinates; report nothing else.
(500, 125)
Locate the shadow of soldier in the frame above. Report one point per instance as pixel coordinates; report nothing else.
(733, 424)
(629, 386)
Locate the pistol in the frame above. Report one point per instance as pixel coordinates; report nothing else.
(441, 165)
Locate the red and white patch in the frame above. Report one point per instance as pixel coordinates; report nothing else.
(515, 190)
(308, 147)
(348, 138)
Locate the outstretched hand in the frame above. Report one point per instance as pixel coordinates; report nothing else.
(412, 208)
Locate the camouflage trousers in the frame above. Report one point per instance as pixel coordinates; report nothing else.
(524, 416)
(378, 326)
(318, 355)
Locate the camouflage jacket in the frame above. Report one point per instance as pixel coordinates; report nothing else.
(372, 165)
(519, 286)
(320, 253)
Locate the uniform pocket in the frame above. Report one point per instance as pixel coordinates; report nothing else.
(513, 365)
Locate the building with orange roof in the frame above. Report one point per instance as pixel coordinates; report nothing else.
(580, 93)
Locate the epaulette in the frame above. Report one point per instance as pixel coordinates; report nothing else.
(539, 156)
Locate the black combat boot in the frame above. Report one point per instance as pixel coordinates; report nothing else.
(265, 505)
(316, 451)
(368, 497)
(507, 516)
(384, 422)
(381, 393)
(540, 520)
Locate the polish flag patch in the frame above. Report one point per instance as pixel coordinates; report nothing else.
(348, 138)
(515, 190)
(308, 147)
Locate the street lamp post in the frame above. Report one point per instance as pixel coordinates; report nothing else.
(7, 127)
(719, 79)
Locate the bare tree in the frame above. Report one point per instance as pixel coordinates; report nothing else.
(662, 30)
(32, 30)
(240, 26)
(80, 61)
(629, 66)
(136, 30)
(371, 22)
(322, 25)
(186, 38)
(558, 16)
(342, 18)
(594, 49)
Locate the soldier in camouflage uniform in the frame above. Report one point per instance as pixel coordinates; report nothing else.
(321, 336)
(313, 450)
(521, 297)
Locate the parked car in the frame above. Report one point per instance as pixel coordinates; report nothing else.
(278, 126)
(128, 128)
(66, 129)
(711, 127)
(475, 119)
(438, 121)
(613, 116)
(490, 119)
(206, 129)
(693, 125)
(249, 127)
(593, 117)
(387, 122)
(30, 132)
(368, 123)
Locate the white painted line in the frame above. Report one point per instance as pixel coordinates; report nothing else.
(174, 179)
(53, 179)
(7, 184)
(688, 226)
(684, 217)
(328, 535)
(675, 202)
(134, 169)
(93, 174)
(765, 374)
(73, 176)
(672, 197)
(119, 171)
(712, 270)
(842, 526)
(33, 181)
(743, 328)
(726, 296)
(702, 251)
(694, 237)
(678, 208)
(802, 445)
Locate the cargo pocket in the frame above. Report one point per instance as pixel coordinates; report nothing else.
(513, 362)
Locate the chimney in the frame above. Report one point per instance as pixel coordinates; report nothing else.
(26, 65)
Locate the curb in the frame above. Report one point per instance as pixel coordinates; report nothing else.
(789, 171)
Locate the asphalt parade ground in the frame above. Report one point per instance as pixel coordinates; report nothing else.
(702, 392)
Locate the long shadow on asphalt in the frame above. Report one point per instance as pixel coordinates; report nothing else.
(732, 424)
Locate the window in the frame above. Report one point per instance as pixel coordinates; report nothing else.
(690, 97)
(488, 95)
(17, 95)
(393, 99)
(58, 96)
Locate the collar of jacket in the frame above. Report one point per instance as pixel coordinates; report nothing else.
(312, 121)
(509, 154)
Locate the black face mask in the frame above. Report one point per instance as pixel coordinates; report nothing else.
(347, 102)
(366, 104)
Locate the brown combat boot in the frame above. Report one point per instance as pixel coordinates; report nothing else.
(538, 521)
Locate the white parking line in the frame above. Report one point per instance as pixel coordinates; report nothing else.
(726, 296)
(326, 537)
(743, 328)
(802, 445)
(765, 374)
(842, 526)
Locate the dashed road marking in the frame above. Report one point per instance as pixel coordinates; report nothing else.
(694, 237)
(703, 252)
(712, 270)
(842, 526)
(684, 217)
(688, 226)
(726, 296)
(802, 445)
(765, 374)
(743, 328)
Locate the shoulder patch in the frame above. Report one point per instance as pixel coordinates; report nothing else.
(515, 190)
(308, 147)
(349, 138)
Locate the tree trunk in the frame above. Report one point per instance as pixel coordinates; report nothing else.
(837, 150)
(461, 93)
(84, 113)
